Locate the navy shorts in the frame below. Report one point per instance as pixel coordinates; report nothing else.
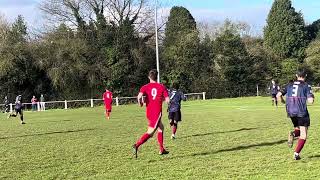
(274, 96)
(176, 116)
(300, 121)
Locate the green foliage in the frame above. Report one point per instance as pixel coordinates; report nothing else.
(181, 48)
(313, 59)
(313, 30)
(288, 70)
(234, 63)
(285, 33)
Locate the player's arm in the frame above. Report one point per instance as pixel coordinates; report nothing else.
(310, 95)
(140, 99)
(166, 95)
(281, 93)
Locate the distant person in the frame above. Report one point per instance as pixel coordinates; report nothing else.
(174, 108)
(274, 89)
(6, 105)
(34, 103)
(107, 99)
(154, 94)
(42, 103)
(297, 95)
(18, 109)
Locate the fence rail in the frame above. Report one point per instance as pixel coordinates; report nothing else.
(66, 104)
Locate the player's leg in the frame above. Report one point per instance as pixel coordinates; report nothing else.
(160, 139)
(295, 133)
(302, 140)
(304, 123)
(21, 116)
(144, 138)
(177, 118)
(272, 99)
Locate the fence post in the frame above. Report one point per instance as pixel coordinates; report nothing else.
(257, 90)
(11, 108)
(65, 104)
(204, 95)
(91, 103)
(117, 101)
(38, 106)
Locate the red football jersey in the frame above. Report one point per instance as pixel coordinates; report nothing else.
(155, 94)
(107, 97)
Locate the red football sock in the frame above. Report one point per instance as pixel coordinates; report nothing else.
(174, 129)
(296, 132)
(300, 145)
(160, 140)
(144, 138)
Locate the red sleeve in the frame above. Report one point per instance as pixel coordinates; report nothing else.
(103, 96)
(143, 89)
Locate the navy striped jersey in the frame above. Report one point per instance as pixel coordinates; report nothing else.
(175, 100)
(297, 94)
(274, 89)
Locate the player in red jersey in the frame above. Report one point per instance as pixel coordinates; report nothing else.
(154, 94)
(107, 98)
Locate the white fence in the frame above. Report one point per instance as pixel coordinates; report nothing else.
(66, 104)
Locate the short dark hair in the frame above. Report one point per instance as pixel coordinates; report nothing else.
(153, 74)
(175, 85)
(302, 73)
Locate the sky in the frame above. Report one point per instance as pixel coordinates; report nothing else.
(254, 12)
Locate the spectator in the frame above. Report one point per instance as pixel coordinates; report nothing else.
(34, 103)
(6, 105)
(42, 103)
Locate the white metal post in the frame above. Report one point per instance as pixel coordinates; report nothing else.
(257, 90)
(157, 43)
(117, 101)
(91, 103)
(204, 95)
(38, 106)
(11, 108)
(65, 104)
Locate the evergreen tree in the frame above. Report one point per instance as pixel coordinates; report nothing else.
(181, 48)
(234, 63)
(285, 31)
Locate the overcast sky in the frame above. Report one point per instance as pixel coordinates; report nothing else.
(253, 12)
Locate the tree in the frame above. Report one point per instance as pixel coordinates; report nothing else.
(313, 30)
(285, 32)
(233, 62)
(313, 59)
(181, 48)
(18, 71)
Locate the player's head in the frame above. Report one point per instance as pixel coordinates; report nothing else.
(153, 74)
(175, 85)
(301, 74)
(273, 81)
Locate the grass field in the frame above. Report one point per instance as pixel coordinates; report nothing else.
(241, 138)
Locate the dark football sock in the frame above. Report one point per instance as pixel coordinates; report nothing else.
(276, 103)
(296, 132)
(174, 128)
(300, 145)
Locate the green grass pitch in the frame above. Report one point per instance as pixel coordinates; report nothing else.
(243, 138)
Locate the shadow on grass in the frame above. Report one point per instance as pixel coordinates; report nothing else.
(47, 133)
(238, 148)
(66, 120)
(314, 156)
(219, 132)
